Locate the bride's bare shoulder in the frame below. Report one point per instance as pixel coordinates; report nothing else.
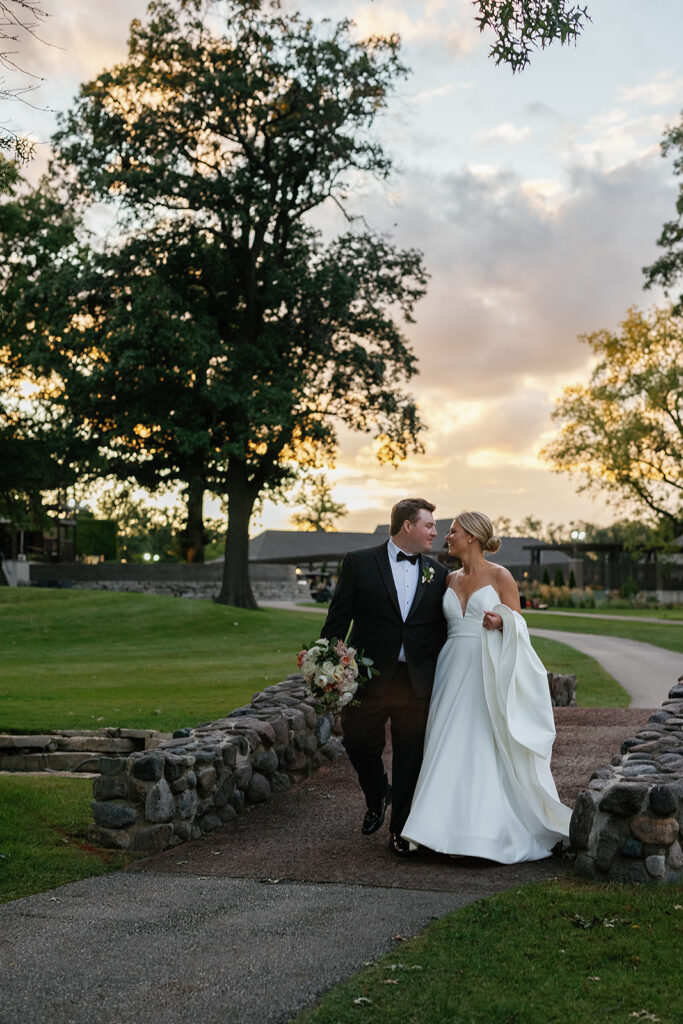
(453, 576)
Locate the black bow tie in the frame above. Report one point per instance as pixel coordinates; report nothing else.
(403, 557)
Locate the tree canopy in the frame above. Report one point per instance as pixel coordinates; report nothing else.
(623, 431)
(522, 26)
(220, 338)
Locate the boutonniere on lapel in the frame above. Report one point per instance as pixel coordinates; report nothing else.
(427, 574)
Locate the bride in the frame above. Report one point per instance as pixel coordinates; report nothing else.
(485, 787)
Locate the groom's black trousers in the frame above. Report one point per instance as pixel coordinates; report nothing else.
(393, 698)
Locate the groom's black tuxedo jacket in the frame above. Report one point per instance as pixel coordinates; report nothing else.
(366, 595)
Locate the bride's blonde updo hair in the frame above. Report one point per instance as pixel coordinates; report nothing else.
(481, 527)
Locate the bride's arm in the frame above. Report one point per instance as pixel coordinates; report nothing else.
(509, 595)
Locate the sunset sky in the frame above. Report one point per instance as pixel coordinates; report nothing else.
(536, 198)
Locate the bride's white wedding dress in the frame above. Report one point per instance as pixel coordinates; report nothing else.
(485, 787)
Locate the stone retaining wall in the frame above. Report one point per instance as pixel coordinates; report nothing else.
(200, 778)
(626, 826)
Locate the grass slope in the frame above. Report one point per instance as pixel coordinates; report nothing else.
(79, 659)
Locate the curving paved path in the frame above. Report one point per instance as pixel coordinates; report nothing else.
(645, 671)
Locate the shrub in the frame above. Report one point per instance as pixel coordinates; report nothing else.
(96, 537)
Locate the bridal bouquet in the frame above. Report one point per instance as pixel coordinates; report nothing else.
(331, 669)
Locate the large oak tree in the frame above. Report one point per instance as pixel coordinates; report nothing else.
(219, 339)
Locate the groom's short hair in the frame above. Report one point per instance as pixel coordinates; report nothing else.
(407, 508)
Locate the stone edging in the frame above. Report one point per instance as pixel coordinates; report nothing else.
(199, 779)
(626, 826)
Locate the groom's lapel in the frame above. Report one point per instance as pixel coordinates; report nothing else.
(419, 593)
(387, 575)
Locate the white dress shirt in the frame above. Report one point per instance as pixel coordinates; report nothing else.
(405, 579)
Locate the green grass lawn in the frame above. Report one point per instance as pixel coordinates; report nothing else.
(80, 659)
(560, 952)
(43, 823)
(661, 635)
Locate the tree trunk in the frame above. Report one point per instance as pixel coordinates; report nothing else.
(192, 537)
(236, 589)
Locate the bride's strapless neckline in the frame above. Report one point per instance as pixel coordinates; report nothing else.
(463, 611)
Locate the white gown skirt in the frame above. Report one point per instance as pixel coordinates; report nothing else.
(482, 792)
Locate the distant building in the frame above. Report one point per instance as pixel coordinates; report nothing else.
(317, 552)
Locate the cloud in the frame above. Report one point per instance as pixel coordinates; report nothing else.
(422, 24)
(505, 132)
(663, 90)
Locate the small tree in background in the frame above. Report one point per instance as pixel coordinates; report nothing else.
(559, 578)
(622, 433)
(319, 509)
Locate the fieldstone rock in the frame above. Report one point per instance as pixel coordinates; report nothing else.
(210, 822)
(110, 787)
(676, 691)
(655, 831)
(306, 741)
(174, 768)
(266, 762)
(243, 776)
(581, 821)
(234, 748)
(187, 803)
(191, 779)
(137, 791)
(624, 799)
(676, 856)
(149, 767)
(116, 839)
(224, 792)
(153, 838)
(206, 781)
(662, 801)
(279, 782)
(110, 815)
(333, 748)
(258, 789)
(179, 786)
(237, 800)
(632, 741)
(656, 865)
(608, 843)
(323, 729)
(226, 813)
(182, 829)
(160, 805)
(633, 770)
(632, 847)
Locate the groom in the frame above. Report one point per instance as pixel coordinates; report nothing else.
(392, 594)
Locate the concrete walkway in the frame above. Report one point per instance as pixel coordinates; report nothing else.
(645, 671)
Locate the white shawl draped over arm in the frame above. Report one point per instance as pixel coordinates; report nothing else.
(518, 699)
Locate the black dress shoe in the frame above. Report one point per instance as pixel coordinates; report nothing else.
(375, 819)
(400, 846)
